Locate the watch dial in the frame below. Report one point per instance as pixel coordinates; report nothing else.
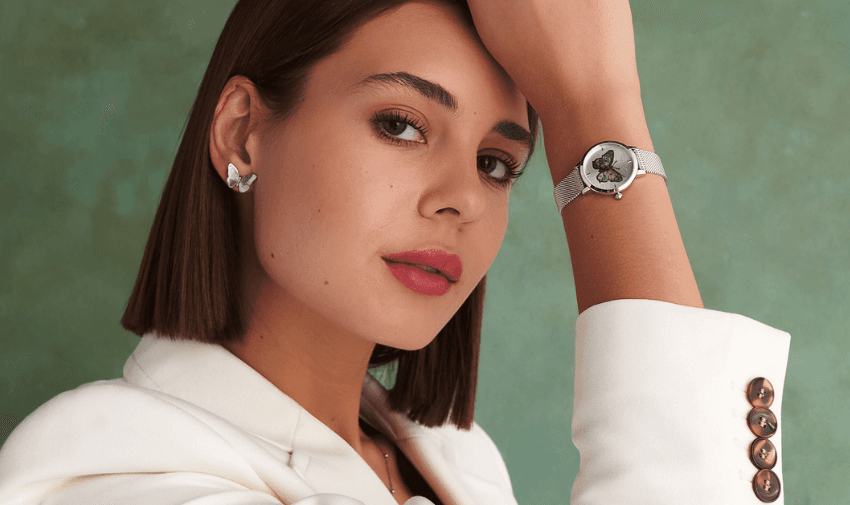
(609, 167)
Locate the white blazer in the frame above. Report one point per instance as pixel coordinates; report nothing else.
(659, 418)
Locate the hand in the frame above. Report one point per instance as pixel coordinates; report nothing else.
(561, 52)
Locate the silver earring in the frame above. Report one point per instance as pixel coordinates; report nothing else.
(233, 179)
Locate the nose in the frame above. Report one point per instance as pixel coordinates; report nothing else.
(459, 188)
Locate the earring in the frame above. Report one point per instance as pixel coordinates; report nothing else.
(233, 179)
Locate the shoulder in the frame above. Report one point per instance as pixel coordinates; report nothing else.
(471, 452)
(458, 442)
(111, 426)
(100, 409)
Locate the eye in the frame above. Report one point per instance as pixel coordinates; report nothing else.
(503, 171)
(400, 130)
(491, 164)
(399, 127)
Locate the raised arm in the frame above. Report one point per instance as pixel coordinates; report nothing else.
(575, 63)
(627, 248)
(661, 409)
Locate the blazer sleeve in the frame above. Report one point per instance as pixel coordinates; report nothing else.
(661, 408)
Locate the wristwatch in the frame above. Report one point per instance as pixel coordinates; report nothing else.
(608, 168)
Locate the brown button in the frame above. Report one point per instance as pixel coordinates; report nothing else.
(762, 422)
(763, 453)
(760, 392)
(766, 486)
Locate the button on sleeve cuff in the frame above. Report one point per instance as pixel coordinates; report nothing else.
(661, 406)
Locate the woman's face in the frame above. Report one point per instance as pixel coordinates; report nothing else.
(349, 179)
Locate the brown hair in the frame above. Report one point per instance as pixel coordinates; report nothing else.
(188, 279)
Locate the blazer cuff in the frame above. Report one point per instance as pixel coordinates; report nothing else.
(660, 410)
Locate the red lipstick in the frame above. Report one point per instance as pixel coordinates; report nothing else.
(419, 280)
(449, 265)
(407, 267)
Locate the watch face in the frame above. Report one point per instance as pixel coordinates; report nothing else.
(609, 167)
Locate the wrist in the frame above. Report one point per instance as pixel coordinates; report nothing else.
(563, 98)
(569, 133)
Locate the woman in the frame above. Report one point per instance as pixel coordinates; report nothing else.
(340, 192)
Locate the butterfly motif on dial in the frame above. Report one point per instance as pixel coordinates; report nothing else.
(605, 165)
(234, 180)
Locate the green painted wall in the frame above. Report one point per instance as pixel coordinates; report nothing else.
(747, 104)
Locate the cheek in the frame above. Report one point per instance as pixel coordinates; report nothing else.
(499, 227)
(331, 197)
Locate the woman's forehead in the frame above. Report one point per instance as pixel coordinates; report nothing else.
(431, 42)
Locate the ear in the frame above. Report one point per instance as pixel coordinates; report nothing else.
(235, 130)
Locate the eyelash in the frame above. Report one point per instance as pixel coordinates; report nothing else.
(395, 116)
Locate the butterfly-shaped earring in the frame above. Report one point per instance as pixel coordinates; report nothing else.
(233, 179)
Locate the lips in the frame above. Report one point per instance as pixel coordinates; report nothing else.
(449, 265)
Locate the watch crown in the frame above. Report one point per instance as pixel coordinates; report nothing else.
(618, 196)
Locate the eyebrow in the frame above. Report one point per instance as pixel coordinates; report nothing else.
(441, 96)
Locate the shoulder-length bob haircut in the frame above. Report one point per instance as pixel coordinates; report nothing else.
(188, 282)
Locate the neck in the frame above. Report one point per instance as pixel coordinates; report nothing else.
(309, 359)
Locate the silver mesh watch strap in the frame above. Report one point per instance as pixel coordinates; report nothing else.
(568, 189)
(650, 162)
(571, 186)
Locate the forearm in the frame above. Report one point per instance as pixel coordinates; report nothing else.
(628, 248)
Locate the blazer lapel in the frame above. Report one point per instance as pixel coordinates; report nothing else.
(300, 456)
(420, 447)
(320, 461)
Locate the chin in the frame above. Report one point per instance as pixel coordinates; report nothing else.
(409, 345)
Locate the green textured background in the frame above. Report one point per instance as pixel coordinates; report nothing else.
(747, 104)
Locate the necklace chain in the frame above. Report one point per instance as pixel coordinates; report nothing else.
(387, 459)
